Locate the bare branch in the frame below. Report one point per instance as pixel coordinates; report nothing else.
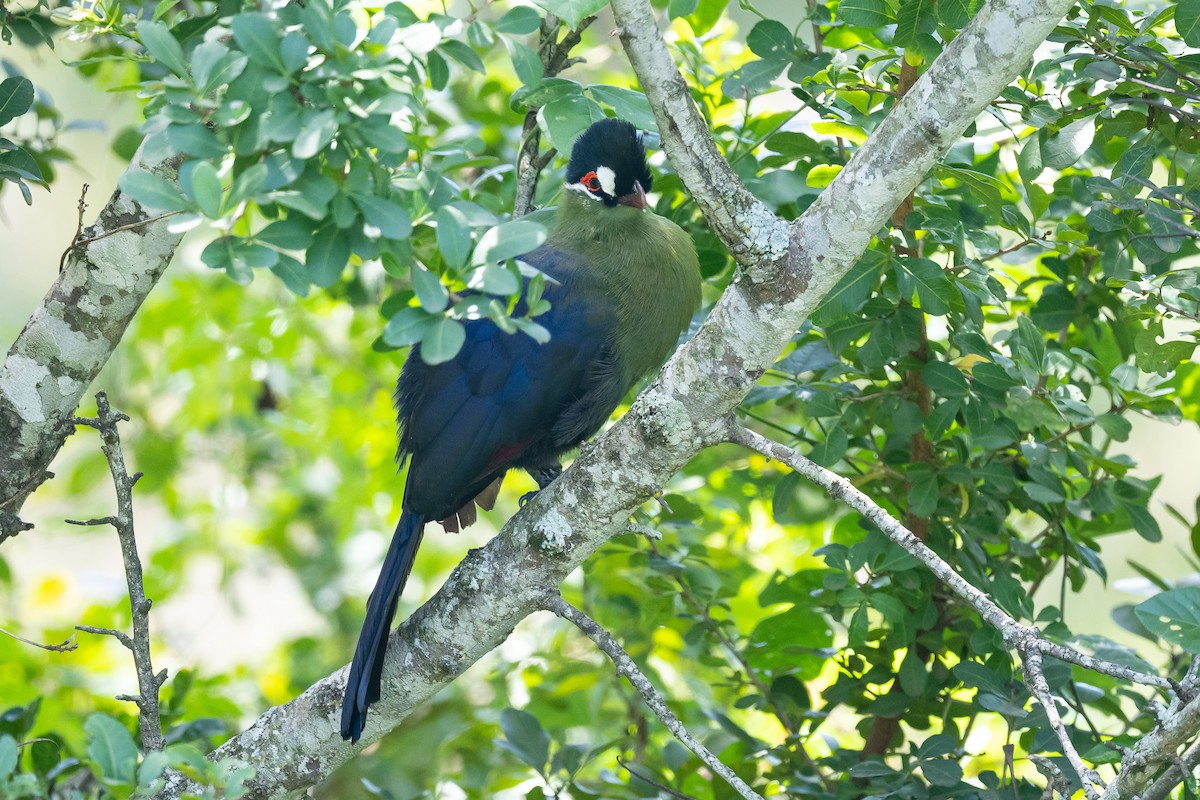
(625, 666)
(65, 647)
(149, 718)
(1035, 677)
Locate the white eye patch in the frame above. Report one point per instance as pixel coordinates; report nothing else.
(608, 180)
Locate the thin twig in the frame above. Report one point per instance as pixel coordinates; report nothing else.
(1035, 677)
(78, 229)
(149, 717)
(651, 782)
(66, 647)
(76, 243)
(625, 666)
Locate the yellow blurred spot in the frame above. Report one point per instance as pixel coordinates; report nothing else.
(274, 686)
(50, 590)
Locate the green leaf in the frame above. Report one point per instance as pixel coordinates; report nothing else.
(1143, 521)
(865, 13)
(912, 674)
(429, 289)
(287, 234)
(562, 120)
(463, 54)
(1174, 616)
(828, 451)
(924, 279)
(327, 256)
(772, 41)
(681, 8)
(1153, 356)
(259, 39)
(843, 130)
(195, 140)
(572, 12)
(8, 757)
(508, 240)
(946, 380)
(159, 43)
(213, 65)
(111, 748)
(519, 21)
(942, 772)
(1187, 21)
(751, 79)
(1063, 148)
(317, 129)
(438, 70)
(923, 495)
(629, 104)
(707, 14)
(407, 326)
(442, 340)
(152, 191)
(453, 236)
(526, 62)
(914, 18)
(822, 175)
(292, 273)
(849, 293)
(205, 189)
(955, 13)
(390, 218)
(1029, 161)
(524, 737)
(16, 97)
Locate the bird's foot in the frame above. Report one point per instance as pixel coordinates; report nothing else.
(525, 498)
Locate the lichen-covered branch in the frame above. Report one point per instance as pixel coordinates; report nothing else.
(626, 667)
(149, 718)
(70, 337)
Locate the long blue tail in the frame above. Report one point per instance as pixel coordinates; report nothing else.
(362, 687)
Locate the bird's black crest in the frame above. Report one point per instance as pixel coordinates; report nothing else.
(612, 143)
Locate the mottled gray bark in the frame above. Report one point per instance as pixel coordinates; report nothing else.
(70, 337)
(785, 270)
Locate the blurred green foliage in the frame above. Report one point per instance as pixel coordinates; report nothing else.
(975, 373)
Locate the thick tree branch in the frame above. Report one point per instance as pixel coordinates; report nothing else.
(626, 667)
(70, 337)
(149, 719)
(784, 274)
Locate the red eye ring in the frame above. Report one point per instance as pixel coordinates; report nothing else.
(591, 182)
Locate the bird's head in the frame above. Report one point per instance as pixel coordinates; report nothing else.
(608, 165)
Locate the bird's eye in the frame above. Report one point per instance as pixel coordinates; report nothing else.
(591, 182)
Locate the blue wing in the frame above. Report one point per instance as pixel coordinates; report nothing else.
(506, 400)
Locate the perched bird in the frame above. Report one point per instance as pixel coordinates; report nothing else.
(623, 283)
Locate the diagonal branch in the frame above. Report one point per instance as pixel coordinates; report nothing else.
(71, 335)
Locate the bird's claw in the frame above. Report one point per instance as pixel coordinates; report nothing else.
(525, 498)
